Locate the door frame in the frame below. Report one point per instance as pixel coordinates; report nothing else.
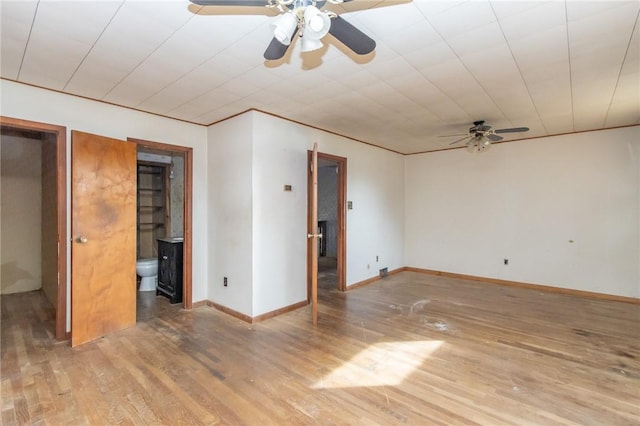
(187, 254)
(60, 140)
(342, 222)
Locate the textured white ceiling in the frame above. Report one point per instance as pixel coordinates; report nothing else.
(554, 66)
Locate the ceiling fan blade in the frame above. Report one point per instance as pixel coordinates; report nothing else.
(450, 136)
(320, 3)
(351, 37)
(479, 126)
(459, 140)
(494, 138)
(512, 130)
(252, 3)
(277, 50)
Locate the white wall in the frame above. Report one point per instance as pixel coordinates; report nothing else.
(230, 214)
(280, 217)
(564, 210)
(20, 214)
(31, 103)
(258, 230)
(374, 227)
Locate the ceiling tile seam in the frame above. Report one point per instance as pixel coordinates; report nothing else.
(26, 45)
(535, 107)
(169, 84)
(73, 74)
(478, 82)
(566, 19)
(460, 60)
(626, 53)
(101, 101)
(212, 89)
(434, 113)
(469, 71)
(430, 82)
(149, 55)
(312, 127)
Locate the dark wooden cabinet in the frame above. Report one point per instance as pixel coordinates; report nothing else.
(170, 268)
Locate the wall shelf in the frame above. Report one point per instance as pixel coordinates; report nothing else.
(152, 221)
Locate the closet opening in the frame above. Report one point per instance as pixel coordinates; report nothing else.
(33, 249)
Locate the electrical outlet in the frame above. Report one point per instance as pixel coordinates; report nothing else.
(506, 261)
(225, 281)
(376, 258)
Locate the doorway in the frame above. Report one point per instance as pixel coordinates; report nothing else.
(328, 224)
(332, 182)
(42, 218)
(177, 225)
(159, 231)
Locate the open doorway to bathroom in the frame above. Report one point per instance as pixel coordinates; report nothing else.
(162, 224)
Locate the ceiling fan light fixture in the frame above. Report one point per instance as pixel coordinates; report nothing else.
(316, 23)
(478, 144)
(284, 27)
(484, 143)
(310, 44)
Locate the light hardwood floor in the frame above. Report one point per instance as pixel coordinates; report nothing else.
(410, 349)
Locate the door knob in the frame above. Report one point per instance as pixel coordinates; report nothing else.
(81, 240)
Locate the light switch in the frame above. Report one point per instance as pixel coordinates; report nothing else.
(288, 188)
(349, 205)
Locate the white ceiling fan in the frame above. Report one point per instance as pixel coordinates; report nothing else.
(481, 135)
(306, 18)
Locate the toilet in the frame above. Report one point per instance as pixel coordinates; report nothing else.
(147, 269)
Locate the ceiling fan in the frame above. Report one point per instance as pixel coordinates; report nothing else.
(303, 16)
(480, 136)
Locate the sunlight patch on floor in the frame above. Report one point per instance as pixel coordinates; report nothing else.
(381, 364)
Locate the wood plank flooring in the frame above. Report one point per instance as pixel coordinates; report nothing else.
(410, 349)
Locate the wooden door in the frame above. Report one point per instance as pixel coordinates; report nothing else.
(313, 234)
(103, 226)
